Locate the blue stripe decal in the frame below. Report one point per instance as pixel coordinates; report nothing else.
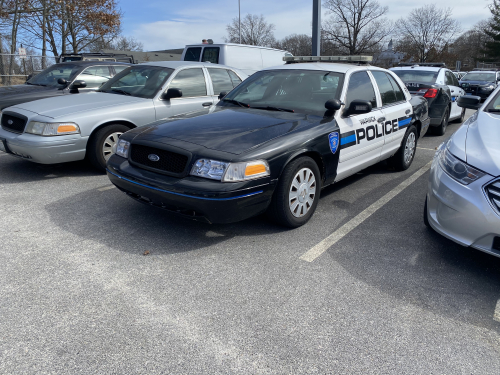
(351, 138)
(184, 195)
(404, 122)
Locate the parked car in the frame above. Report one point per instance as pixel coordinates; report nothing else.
(463, 197)
(248, 59)
(272, 143)
(70, 128)
(441, 89)
(480, 83)
(59, 80)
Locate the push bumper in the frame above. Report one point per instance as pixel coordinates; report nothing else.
(462, 213)
(192, 197)
(44, 150)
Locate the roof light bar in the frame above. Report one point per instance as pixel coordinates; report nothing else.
(342, 59)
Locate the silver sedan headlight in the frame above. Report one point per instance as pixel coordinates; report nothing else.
(457, 169)
(122, 148)
(230, 172)
(52, 128)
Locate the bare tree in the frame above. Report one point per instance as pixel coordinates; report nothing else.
(356, 26)
(469, 47)
(428, 31)
(296, 44)
(255, 31)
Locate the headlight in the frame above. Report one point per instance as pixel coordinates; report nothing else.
(457, 169)
(230, 172)
(122, 148)
(52, 128)
(488, 87)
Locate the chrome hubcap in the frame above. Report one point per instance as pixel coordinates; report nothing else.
(302, 192)
(409, 148)
(109, 142)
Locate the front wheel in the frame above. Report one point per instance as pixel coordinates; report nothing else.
(101, 143)
(403, 158)
(297, 194)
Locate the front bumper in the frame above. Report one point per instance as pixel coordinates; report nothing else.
(44, 150)
(192, 197)
(462, 213)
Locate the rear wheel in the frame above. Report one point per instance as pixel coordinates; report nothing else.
(99, 149)
(441, 129)
(297, 194)
(462, 116)
(403, 158)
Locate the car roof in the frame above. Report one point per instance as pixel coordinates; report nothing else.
(333, 67)
(180, 64)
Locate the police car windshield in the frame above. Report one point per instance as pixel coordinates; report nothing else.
(412, 75)
(303, 91)
(50, 75)
(489, 77)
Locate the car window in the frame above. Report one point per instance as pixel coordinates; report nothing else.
(119, 68)
(192, 54)
(303, 91)
(142, 81)
(474, 76)
(94, 76)
(49, 76)
(400, 96)
(360, 88)
(494, 105)
(412, 75)
(211, 54)
(449, 79)
(191, 82)
(385, 87)
(455, 80)
(234, 78)
(220, 80)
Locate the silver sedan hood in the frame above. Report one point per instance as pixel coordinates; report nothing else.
(72, 104)
(483, 142)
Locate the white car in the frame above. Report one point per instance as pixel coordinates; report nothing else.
(70, 128)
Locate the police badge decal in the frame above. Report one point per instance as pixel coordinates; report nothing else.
(333, 140)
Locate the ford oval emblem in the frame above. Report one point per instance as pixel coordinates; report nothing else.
(153, 157)
(10, 122)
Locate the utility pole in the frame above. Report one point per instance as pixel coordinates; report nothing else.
(316, 31)
(239, 18)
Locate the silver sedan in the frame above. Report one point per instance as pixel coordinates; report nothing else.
(75, 127)
(463, 198)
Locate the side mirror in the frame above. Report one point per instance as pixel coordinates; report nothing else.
(78, 84)
(358, 107)
(469, 101)
(172, 93)
(333, 104)
(62, 81)
(222, 94)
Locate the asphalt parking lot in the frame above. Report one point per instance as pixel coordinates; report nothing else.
(381, 294)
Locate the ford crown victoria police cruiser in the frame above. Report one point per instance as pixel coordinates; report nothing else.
(272, 143)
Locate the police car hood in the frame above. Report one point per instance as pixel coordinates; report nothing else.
(227, 129)
(482, 145)
(76, 103)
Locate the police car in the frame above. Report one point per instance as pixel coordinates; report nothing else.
(480, 82)
(273, 142)
(439, 86)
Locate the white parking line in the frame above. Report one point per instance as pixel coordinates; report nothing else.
(496, 315)
(340, 233)
(107, 188)
(424, 148)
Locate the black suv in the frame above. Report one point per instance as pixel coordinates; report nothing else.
(61, 79)
(480, 82)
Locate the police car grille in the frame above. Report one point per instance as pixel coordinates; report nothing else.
(493, 191)
(13, 123)
(168, 161)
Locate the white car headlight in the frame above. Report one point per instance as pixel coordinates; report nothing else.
(52, 128)
(230, 172)
(122, 148)
(208, 168)
(457, 169)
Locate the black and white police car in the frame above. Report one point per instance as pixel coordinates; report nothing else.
(273, 142)
(439, 86)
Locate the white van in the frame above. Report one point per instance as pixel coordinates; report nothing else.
(248, 59)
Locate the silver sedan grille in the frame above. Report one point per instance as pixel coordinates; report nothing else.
(493, 193)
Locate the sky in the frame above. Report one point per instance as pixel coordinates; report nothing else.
(162, 24)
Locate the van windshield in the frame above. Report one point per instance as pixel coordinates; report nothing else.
(193, 54)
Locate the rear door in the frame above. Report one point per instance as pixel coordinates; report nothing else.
(456, 91)
(221, 82)
(396, 108)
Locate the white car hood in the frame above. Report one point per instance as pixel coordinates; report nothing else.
(71, 104)
(482, 145)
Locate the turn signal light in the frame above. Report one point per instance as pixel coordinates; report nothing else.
(252, 170)
(431, 93)
(69, 128)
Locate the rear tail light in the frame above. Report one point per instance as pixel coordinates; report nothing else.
(430, 93)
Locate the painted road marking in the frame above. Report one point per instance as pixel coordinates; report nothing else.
(496, 315)
(345, 229)
(107, 188)
(423, 148)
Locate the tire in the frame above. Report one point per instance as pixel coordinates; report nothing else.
(441, 129)
(426, 218)
(403, 158)
(294, 210)
(461, 118)
(101, 142)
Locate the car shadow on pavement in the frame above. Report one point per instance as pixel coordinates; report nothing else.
(117, 221)
(14, 170)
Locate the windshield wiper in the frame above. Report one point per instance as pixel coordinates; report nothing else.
(35, 84)
(241, 104)
(120, 92)
(493, 110)
(268, 108)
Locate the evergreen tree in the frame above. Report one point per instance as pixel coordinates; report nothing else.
(492, 47)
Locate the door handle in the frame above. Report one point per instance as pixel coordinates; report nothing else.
(382, 119)
(207, 104)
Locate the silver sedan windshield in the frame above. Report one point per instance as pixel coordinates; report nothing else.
(50, 75)
(140, 81)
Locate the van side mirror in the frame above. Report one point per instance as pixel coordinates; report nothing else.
(171, 94)
(222, 94)
(78, 84)
(358, 107)
(469, 101)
